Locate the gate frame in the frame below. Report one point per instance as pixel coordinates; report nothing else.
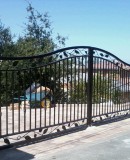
(90, 54)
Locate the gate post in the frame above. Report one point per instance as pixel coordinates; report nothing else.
(90, 86)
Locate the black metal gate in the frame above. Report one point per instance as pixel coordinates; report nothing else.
(64, 89)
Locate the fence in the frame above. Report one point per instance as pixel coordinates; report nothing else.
(63, 89)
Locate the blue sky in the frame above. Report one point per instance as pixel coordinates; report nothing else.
(100, 23)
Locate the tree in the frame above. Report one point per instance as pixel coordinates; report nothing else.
(6, 41)
(38, 35)
(78, 93)
(117, 96)
(101, 90)
(37, 39)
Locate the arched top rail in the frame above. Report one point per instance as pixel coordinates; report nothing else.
(75, 49)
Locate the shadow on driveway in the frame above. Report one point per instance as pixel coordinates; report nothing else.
(15, 154)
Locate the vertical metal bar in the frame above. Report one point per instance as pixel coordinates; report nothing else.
(67, 85)
(59, 88)
(30, 121)
(94, 110)
(123, 97)
(45, 108)
(40, 80)
(0, 104)
(106, 87)
(82, 91)
(19, 103)
(105, 64)
(100, 89)
(102, 84)
(35, 103)
(109, 84)
(122, 89)
(97, 88)
(6, 102)
(13, 100)
(25, 103)
(75, 87)
(118, 80)
(114, 82)
(55, 69)
(86, 80)
(125, 92)
(90, 85)
(127, 89)
(121, 84)
(50, 95)
(71, 89)
(79, 84)
(112, 89)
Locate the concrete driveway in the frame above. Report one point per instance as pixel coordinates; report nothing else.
(106, 142)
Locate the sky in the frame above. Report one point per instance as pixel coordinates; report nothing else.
(99, 23)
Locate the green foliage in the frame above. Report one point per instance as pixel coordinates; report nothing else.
(6, 41)
(37, 39)
(101, 89)
(78, 93)
(117, 96)
(38, 35)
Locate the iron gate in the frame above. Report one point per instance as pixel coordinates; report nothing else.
(67, 88)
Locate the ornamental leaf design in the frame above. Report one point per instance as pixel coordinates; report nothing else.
(40, 130)
(76, 51)
(45, 131)
(6, 140)
(76, 125)
(65, 54)
(63, 127)
(28, 138)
